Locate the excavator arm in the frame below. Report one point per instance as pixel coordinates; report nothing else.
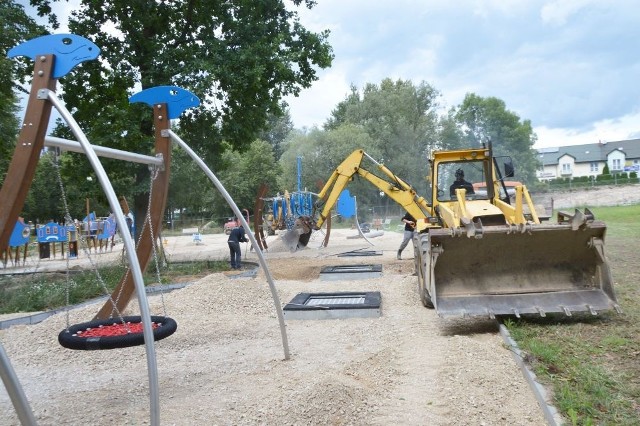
(385, 180)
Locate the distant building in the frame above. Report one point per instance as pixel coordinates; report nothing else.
(589, 159)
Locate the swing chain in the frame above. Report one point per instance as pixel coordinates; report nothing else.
(154, 174)
(154, 170)
(85, 248)
(137, 244)
(67, 219)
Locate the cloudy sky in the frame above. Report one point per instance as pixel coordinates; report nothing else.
(572, 67)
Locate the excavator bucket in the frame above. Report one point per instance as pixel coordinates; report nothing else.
(299, 234)
(536, 269)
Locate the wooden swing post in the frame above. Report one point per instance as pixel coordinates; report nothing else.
(27, 152)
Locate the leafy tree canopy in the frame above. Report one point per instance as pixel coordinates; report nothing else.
(239, 57)
(321, 151)
(401, 120)
(245, 173)
(277, 130)
(484, 119)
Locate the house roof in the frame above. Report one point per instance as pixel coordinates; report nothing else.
(590, 152)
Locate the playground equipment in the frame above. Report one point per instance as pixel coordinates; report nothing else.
(54, 56)
(168, 103)
(51, 234)
(19, 238)
(281, 212)
(152, 97)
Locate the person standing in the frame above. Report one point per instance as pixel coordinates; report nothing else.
(236, 237)
(409, 228)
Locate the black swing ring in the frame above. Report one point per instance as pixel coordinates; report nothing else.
(69, 338)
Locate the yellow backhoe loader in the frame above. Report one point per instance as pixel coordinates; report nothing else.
(486, 253)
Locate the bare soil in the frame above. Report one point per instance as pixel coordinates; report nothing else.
(597, 196)
(225, 365)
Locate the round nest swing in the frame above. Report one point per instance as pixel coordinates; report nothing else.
(113, 333)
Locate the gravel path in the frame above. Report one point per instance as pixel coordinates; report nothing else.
(225, 366)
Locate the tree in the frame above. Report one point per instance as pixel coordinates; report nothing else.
(400, 119)
(340, 113)
(44, 201)
(240, 58)
(245, 173)
(321, 152)
(450, 133)
(276, 131)
(486, 119)
(190, 191)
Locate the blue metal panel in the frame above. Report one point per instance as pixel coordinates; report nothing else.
(69, 50)
(346, 204)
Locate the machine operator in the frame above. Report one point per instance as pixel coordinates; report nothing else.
(460, 183)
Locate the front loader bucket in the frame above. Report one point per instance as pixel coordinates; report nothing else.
(543, 269)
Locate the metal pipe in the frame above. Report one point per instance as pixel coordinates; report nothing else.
(15, 391)
(134, 264)
(102, 151)
(245, 225)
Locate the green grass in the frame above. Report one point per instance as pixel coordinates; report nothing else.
(46, 291)
(592, 364)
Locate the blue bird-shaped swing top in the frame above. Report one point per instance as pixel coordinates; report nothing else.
(176, 98)
(69, 50)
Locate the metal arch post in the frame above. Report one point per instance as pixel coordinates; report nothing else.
(125, 290)
(134, 265)
(254, 242)
(15, 391)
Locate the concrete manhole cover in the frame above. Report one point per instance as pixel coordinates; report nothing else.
(334, 305)
(355, 253)
(350, 272)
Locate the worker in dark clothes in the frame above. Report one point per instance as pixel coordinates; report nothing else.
(236, 237)
(409, 230)
(460, 183)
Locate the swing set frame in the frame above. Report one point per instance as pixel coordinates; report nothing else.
(31, 141)
(20, 174)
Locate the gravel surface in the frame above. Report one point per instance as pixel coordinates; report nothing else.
(225, 364)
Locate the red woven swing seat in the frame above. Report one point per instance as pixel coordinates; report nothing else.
(114, 333)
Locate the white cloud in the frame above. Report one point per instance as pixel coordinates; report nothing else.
(558, 12)
(622, 128)
(314, 108)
